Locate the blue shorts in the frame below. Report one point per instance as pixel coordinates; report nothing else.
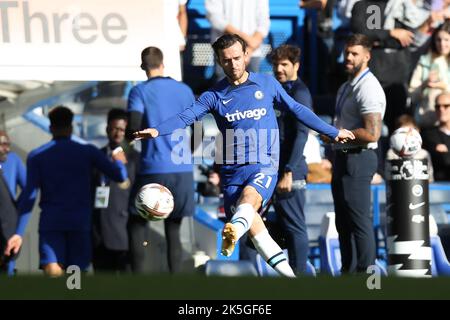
(252, 176)
(66, 248)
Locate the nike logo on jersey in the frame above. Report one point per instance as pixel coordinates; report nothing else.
(226, 101)
(415, 206)
(249, 114)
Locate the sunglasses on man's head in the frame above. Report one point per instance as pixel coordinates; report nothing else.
(443, 105)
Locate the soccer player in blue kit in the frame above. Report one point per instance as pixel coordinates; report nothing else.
(242, 105)
(61, 169)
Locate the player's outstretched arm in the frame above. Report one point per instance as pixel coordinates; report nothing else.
(344, 136)
(149, 133)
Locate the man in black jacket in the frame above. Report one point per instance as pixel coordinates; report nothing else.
(290, 194)
(110, 217)
(437, 140)
(8, 221)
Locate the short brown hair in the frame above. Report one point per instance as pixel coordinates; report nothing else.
(286, 51)
(152, 58)
(359, 39)
(226, 41)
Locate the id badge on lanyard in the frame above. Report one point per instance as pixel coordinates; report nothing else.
(102, 196)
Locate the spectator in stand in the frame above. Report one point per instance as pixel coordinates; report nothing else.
(437, 139)
(431, 77)
(249, 19)
(393, 40)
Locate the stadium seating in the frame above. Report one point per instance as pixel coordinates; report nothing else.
(208, 235)
(230, 268)
(439, 262)
(318, 201)
(287, 25)
(330, 254)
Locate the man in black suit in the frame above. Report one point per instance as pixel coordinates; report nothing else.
(8, 221)
(110, 217)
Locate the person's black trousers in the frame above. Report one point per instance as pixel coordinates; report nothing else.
(290, 211)
(352, 174)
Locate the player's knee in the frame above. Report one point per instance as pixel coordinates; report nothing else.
(53, 270)
(251, 196)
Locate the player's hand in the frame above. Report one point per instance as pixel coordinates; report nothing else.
(285, 184)
(148, 133)
(119, 154)
(344, 135)
(13, 245)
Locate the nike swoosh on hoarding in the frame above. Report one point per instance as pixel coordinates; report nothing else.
(415, 206)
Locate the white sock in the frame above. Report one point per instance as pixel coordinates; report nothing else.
(243, 218)
(272, 253)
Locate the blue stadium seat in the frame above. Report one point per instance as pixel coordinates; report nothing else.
(264, 270)
(330, 253)
(226, 268)
(439, 262)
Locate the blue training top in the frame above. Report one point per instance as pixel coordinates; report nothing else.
(246, 118)
(62, 170)
(14, 173)
(159, 99)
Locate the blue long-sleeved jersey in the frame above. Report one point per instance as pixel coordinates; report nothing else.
(246, 118)
(61, 169)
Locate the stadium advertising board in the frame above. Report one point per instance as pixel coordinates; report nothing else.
(84, 39)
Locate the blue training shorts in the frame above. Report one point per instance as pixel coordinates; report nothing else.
(251, 176)
(66, 248)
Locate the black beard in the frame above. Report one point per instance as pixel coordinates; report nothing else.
(355, 70)
(230, 76)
